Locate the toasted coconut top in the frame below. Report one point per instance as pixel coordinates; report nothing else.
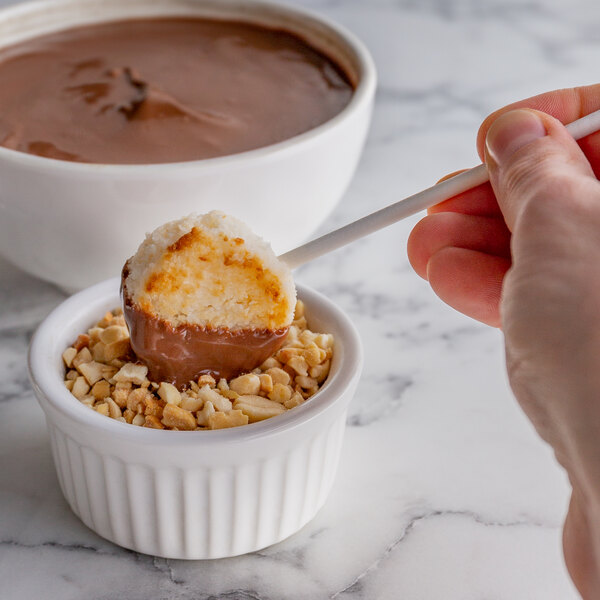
(211, 270)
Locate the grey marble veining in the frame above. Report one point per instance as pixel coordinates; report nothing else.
(444, 491)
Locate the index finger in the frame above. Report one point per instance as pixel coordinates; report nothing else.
(566, 105)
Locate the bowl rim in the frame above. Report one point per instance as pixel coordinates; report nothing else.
(49, 386)
(363, 94)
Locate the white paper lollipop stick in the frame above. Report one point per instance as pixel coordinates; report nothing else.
(413, 204)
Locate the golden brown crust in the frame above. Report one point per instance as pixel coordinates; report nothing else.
(201, 270)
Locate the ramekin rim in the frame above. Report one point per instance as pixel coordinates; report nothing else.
(48, 385)
(363, 94)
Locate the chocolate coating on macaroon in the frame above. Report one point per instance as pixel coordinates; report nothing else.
(180, 354)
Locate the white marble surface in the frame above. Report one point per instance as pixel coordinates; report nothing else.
(444, 490)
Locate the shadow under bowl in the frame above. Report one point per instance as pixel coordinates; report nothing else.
(194, 494)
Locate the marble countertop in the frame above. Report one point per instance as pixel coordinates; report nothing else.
(444, 491)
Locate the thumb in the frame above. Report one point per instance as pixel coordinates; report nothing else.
(532, 158)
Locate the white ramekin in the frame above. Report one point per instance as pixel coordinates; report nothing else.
(75, 224)
(193, 494)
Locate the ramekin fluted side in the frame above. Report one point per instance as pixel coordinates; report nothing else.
(193, 494)
(197, 512)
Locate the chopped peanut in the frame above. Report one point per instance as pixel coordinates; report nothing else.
(278, 375)
(68, 355)
(204, 414)
(207, 394)
(101, 374)
(306, 383)
(266, 383)
(113, 410)
(291, 339)
(300, 323)
(169, 393)
(154, 407)
(153, 422)
(173, 416)
(94, 334)
(92, 371)
(314, 355)
(82, 341)
(245, 384)
(133, 373)
(324, 340)
(121, 393)
(299, 310)
(113, 333)
(291, 373)
(258, 408)
(299, 364)
(222, 404)
(280, 393)
(270, 363)
(307, 337)
(295, 400)
(106, 320)
(138, 420)
(206, 380)
(191, 403)
(88, 401)
(233, 418)
(108, 371)
(98, 353)
(80, 388)
(305, 388)
(320, 372)
(286, 353)
(136, 401)
(124, 385)
(116, 349)
(83, 356)
(102, 408)
(101, 390)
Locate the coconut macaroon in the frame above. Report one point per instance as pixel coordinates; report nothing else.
(204, 294)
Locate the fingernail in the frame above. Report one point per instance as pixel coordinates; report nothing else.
(512, 131)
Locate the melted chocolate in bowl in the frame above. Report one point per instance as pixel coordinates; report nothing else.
(163, 90)
(183, 353)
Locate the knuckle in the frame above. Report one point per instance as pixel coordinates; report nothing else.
(530, 173)
(544, 185)
(560, 199)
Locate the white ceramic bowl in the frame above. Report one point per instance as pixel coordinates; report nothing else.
(75, 224)
(193, 494)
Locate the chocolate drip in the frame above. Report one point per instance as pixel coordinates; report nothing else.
(180, 354)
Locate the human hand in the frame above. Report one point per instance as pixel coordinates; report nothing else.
(525, 256)
(463, 247)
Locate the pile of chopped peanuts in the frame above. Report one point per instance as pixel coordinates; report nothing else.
(102, 373)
